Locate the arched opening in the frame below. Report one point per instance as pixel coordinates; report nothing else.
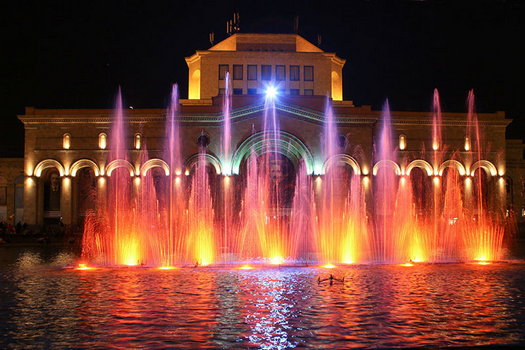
(86, 193)
(52, 194)
(19, 198)
(454, 193)
(420, 191)
(3, 198)
(481, 191)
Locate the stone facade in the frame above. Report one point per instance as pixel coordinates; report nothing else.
(65, 141)
(11, 189)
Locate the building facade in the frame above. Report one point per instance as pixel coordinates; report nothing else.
(67, 152)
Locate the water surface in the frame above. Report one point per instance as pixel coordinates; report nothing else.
(43, 306)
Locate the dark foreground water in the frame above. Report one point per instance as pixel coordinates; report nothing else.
(42, 306)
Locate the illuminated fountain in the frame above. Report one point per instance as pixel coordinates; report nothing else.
(276, 212)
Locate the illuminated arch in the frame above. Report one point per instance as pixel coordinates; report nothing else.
(386, 163)
(84, 163)
(422, 164)
(46, 164)
(120, 163)
(452, 164)
(489, 168)
(287, 144)
(209, 159)
(155, 163)
(341, 159)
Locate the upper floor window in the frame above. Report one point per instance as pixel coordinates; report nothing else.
(294, 73)
(138, 140)
(237, 91)
(252, 91)
(294, 91)
(266, 72)
(252, 72)
(467, 143)
(308, 73)
(280, 73)
(237, 72)
(102, 140)
(66, 141)
(402, 142)
(308, 92)
(223, 69)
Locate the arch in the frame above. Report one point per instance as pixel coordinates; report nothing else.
(386, 163)
(48, 163)
(155, 163)
(84, 163)
(209, 158)
(120, 163)
(341, 159)
(489, 168)
(287, 144)
(453, 164)
(422, 164)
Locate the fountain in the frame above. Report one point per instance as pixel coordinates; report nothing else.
(275, 212)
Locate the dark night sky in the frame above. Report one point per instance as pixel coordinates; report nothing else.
(75, 54)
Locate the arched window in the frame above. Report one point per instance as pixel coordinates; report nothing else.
(203, 139)
(102, 140)
(138, 140)
(66, 141)
(402, 142)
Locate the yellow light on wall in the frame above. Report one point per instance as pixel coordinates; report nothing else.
(66, 141)
(467, 143)
(435, 144)
(102, 141)
(138, 139)
(402, 142)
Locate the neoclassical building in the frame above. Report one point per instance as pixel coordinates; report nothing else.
(67, 152)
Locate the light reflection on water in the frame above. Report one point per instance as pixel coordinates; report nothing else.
(377, 306)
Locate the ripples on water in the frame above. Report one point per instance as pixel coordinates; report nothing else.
(377, 306)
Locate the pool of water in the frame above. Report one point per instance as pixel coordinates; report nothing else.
(44, 306)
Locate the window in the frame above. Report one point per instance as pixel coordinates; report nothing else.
(237, 72)
(222, 91)
(223, 69)
(252, 72)
(402, 142)
(266, 72)
(203, 139)
(467, 143)
(294, 73)
(138, 139)
(252, 91)
(308, 73)
(308, 92)
(281, 91)
(237, 91)
(66, 141)
(102, 141)
(294, 91)
(280, 73)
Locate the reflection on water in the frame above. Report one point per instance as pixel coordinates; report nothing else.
(376, 306)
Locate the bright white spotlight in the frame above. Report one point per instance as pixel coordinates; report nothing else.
(271, 92)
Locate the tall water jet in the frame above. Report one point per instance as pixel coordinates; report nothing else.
(484, 235)
(228, 234)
